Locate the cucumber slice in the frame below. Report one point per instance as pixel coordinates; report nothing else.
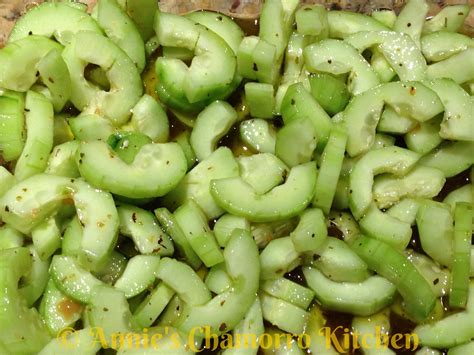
(361, 299)
(62, 160)
(316, 329)
(80, 342)
(109, 311)
(264, 232)
(183, 139)
(458, 110)
(311, 232)
(289, 291)
(142, 12)
(222, 25)
(39, 119)
(393, 160)
(46, 238)
(252, 323)
(451, 158)
(12, 119)
(265, 62)
(466, 348)
(418, 297)
(127, 144)
(98, 216)
(392, 122)
(58, 310)
(245, 62)
(153, 305)
(123, 32)
(211, 125)
(262, 171)
(207, 249)
(298, 104)
(345, 223)
(172, 312)
(424, 137)
(7, 180)
(338, 57)
(217, 280)
(122, 74)
(462, 194)
(181, 278)
(22, 329)
(156, 169)
(172, 74)
(113, 269)
(227, 309)
(171, 227)
(345, 23)
(226, 224)
(330, 169)
(72, 279)
(436, 239)
(383, 141)
(384, 227)
(450, 331)
(420, 182)
(459, 67)
(195, 185)
(260, 99)
(278, 258)
(405, 210)
(330, 92)
(237, 197)
(412, 99)
(339, 263)
(142, 227)
(186, 118)
(284, 315)
(373, 331)
(259, 134)
(450, 18)
(462, 255)
(381, 67)
(296, 141)
(72, 238)
(10, 238)
(362, 115)
(411, 18)
(138, 275)
(53, 19)
(55, 75)
(203, 81)
(312, 20)
(385, 16)
(33, 284)
(293, 70)
(276, 22)
(173, 342)
(438, 278)
(90, 127)
(441, 45)
(32, 200)
(193, 222)
(150, 118)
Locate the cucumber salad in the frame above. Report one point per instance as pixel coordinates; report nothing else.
(173, 184)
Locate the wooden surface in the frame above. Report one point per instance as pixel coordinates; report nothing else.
(10, 10)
